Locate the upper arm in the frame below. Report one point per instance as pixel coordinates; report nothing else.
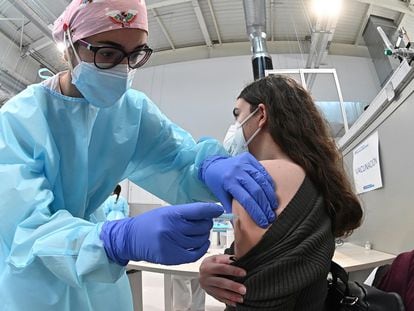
(287, 177)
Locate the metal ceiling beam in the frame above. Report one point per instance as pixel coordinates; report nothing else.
(213, 15)
(202, 22)
(315, 39)
(11, 80)
(363, 24)
(165, 3)
(164, 30)
(394, 5)
(45, 10)
(37, 45)
(272, 24)
(42, 62)
(321, 49)
(32, 16)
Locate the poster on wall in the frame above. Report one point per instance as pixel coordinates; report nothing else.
(366, 165)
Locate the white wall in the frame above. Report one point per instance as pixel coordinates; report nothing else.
(200, 95)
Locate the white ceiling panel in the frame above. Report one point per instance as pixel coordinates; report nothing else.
(181, 23)
(230, 17)
(349, 22)
(156, 39)
(208, 17)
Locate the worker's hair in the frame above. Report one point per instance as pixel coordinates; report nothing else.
(117, 191)
(296, 125)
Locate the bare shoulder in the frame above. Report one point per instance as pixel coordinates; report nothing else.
(288, 177)
(284, 169)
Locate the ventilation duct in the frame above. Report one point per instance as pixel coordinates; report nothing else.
(384, 65)
(255, 15)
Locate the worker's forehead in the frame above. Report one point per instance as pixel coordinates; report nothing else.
(120, 37)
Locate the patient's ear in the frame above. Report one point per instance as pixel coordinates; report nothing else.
(263, 115)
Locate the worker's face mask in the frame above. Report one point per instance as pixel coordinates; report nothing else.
(234, 142)
(100, 87)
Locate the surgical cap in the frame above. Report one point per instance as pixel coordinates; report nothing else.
(86, 18)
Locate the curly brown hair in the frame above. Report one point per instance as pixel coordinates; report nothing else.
(296, 125)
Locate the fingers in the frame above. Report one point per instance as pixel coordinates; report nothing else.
(266, 197)
(195, 227)
(226, 296)
(221, 268)
(199, 211)
(262, 179)
(246, 193)
(212, 270)
(256, 170)
(190, 242)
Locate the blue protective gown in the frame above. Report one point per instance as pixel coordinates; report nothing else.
(60, 158)
(115, 208)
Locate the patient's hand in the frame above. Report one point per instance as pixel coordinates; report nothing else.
(211, 271)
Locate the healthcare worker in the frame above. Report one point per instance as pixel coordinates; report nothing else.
(115, 207)
(66, 143)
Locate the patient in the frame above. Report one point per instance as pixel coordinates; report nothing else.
(288, 262)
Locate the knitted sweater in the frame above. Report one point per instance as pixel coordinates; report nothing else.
(287, 269)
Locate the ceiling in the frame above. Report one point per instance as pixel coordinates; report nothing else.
(176, 27)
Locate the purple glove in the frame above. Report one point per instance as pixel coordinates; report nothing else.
(243, 178)
(168, 235)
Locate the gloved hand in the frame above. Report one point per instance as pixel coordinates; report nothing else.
(243, 178)
(167, 235)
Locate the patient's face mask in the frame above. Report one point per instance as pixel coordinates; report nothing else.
(101, 87)
(234, 142)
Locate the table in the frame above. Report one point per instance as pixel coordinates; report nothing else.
(355, 258)
(350, 256)
(189, 270)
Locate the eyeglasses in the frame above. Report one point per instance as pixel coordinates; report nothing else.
(107, 57)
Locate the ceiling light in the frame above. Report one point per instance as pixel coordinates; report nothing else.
(61, 47)
(326, 7)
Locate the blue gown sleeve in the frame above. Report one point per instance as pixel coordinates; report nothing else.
(167, 159)
(30, 234)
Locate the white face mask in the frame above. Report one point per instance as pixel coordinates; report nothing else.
(234, 142)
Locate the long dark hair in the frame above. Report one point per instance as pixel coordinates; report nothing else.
(117, 191)
(297, 127)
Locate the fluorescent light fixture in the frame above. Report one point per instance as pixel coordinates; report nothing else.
(61, 47)
(326, 8)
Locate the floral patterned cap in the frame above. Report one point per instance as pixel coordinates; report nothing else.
(85, 18)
